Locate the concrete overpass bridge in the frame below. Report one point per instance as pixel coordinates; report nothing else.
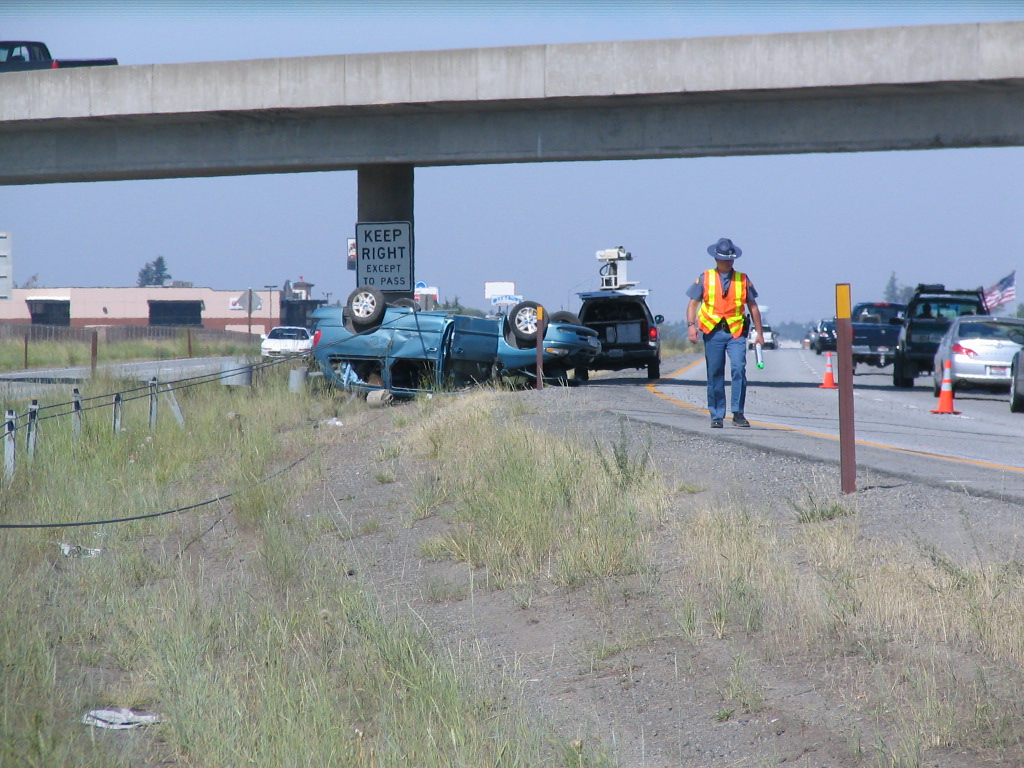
(384, 114)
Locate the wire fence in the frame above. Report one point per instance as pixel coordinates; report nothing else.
(111, 334)
(28, 423)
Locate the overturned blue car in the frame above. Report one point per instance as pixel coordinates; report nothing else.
(368, 345)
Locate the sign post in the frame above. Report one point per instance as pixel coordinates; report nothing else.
(384, 258)
(251, 302)
(844, 352)
(540, 347)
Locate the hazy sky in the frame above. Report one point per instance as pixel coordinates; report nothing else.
(804, 222)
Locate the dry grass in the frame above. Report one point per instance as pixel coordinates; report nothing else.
(245, 630)
(929, 650)
(237, 623)
(577, 514)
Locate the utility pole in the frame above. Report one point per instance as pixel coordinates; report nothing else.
(270, 304)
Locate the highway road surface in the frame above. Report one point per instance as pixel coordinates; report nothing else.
(980, 450)
(38, 382)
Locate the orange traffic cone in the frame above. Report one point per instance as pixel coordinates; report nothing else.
(830, 380)
(946, 393)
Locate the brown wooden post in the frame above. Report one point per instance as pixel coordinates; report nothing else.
(844, 352)
(93, 352)
(540, 347)
(26, 352)
(188, 334)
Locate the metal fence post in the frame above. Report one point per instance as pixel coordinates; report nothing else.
(175, 408)
(152, 403)
(117, 412)
(33, 428)
(76, 411)
(10, 445)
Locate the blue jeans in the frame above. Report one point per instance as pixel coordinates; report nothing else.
(718, 345)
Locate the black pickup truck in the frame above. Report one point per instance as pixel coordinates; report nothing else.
(22, 56)
(876, 330)
(929, 313)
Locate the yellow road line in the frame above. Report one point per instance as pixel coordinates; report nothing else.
(652, 388)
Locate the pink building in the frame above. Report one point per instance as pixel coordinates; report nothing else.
(150, 306)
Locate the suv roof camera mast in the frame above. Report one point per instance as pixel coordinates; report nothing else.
(613, 268)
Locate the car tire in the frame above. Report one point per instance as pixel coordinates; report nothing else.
(365, 306)
(582, 374)
(522, 321)
(407, 302)
(654, 370)
(899, 379)
(564, 316)
(817, 350)
(1016, 396)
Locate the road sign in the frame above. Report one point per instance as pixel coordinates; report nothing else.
(494, 288)
(508, 300)
(384, 255)
(249, 302)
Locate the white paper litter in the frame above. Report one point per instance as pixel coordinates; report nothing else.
(118, 719)
(334, 423)
(77, 550)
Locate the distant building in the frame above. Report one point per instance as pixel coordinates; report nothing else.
(152, 305)
(176, 303)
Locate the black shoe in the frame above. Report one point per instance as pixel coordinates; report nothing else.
(739, 420)
(716, 423)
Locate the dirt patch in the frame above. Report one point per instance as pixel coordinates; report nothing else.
(611, 664)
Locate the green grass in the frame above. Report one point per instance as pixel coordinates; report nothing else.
(51, 354)
(242, 627)
(236, 622)
(533, 505)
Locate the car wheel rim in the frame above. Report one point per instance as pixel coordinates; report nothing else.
(526, 321)
(363, 305)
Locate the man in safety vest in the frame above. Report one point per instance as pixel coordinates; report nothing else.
(716, 308)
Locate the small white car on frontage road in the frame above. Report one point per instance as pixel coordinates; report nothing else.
(287, 340)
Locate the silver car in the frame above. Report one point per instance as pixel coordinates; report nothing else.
(980, 350)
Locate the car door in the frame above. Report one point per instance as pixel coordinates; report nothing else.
(474, 338)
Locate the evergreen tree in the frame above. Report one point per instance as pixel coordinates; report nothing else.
(894, 292)
(153, 273)
(892, 289)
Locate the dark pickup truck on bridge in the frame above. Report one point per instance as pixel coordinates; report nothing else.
(876, 330)
(22, 56)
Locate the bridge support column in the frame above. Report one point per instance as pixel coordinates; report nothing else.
(386, 194)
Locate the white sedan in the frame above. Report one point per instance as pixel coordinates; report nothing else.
(980, 351)
(771, 341)
(287, 340)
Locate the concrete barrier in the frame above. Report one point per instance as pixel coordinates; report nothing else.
(297, 380)
(236, 373)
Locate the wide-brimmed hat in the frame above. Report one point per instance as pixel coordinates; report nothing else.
(724, 249)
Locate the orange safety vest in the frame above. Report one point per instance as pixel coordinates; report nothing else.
(715, 306)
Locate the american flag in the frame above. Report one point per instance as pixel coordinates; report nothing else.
(1002, 292)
